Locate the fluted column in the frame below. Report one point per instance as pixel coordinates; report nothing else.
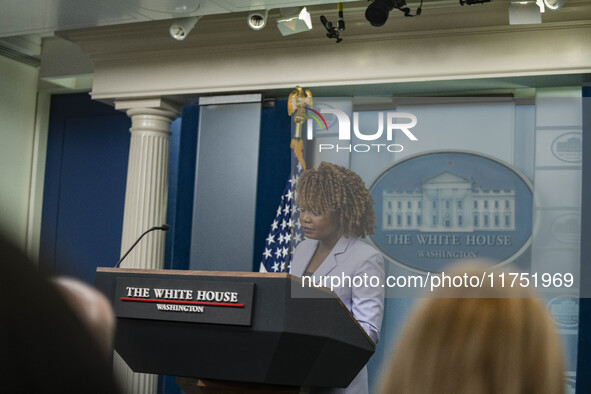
(145, 205)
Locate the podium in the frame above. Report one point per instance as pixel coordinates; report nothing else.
(256, 328)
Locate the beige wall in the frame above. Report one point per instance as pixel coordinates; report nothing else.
(18, 105)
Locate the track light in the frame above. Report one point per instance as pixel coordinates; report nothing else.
(181, 27)
(377, 12)
(554, 5)
(333, 31)
(257, 19)
(524, 12)
(297, 23)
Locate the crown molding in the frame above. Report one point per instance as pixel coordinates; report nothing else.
(228, 32)
(222, 55)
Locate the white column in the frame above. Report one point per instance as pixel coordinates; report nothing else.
(145, 204)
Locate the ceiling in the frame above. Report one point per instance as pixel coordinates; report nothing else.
(23, 24)
(18, 17)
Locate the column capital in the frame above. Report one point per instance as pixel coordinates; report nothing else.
(150, 105)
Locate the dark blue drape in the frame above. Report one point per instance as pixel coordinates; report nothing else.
(84, 191)
(584, 346)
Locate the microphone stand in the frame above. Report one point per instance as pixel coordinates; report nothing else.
(164, 227)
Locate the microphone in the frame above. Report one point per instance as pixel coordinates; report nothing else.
(164, 227)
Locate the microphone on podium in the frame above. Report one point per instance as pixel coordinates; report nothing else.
(164, 227)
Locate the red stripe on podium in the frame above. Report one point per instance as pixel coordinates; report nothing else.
(182, 302)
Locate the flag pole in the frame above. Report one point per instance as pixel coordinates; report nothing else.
(296, 107)
(298, 100)
(285, 232)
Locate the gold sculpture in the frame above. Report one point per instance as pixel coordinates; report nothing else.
(296, 103)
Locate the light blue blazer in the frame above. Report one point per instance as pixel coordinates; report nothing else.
(350, 257)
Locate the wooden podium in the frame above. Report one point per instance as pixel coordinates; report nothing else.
(233, 329)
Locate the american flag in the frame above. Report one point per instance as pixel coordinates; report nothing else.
(286, 231)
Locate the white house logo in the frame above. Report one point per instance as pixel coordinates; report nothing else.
(436, 208)
(568, 147)
(566, 228)
(564, 311)
(448, 202)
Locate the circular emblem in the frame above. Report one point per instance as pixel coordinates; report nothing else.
(440, 207)
(568, 147)
(564, 311)
(566, 228)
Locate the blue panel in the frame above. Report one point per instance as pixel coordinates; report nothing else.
(225, 187)
(167, 385)
(183, 149)
(88, 148)
(173, 175)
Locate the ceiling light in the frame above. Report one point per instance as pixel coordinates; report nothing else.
(257, 19)
(334, 31)
(295, 23)
(524, 12)
(377, 12)
(181, 27)
(554, 5)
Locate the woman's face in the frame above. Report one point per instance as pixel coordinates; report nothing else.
(318, 225)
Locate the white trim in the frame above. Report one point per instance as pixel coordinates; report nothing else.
(231, 99)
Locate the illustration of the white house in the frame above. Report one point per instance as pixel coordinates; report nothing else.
(571, 145)
(449, 202)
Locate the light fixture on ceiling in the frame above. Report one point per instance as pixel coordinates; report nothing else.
(296, 23)
(257, 20)
(181, 27)
(524, 12)
(377, 12)
(554, 5)
(333, 31)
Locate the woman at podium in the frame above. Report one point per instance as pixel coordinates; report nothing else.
(336, 211)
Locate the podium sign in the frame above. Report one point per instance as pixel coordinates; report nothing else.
(184, 300)
(260, 333)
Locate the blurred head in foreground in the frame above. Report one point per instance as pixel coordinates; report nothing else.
(477, 341)
(93, 309)
(46, 346)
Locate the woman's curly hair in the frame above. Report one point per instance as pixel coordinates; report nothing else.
(338, 191)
